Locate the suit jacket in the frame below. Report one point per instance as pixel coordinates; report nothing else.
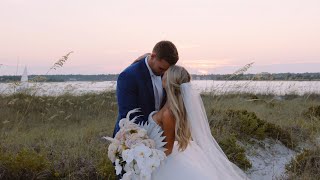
(135, 90)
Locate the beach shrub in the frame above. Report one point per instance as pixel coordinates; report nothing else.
(305, 165)
(235, 152)
(25, 164)
(246, 125)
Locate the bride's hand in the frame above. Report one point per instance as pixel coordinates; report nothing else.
(141, 57)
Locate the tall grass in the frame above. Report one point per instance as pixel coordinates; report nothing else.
(65, 130)
(59, 137)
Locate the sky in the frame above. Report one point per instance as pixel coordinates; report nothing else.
(212, 37)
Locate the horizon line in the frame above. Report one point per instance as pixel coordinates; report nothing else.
(190, 74)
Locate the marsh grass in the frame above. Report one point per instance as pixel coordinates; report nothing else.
(288, 112)
(67, 129)
(305, 165)
(60, 137)
(46, 137)
(291, 119)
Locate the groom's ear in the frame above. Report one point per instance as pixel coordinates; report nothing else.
(153, 55)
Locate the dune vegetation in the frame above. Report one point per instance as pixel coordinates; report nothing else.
(61, 137)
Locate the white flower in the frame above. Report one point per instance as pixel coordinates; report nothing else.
(127, 176)
(142, 133)
(112, 150)
(159, 154)
(142, 154)
(126, 124)
(118, 167)
(120, 136)
(132, 141)
(132, 129)
(142, 151)
(122, 122)
(138, 147)
(149, 143)
(129, 167)
(145, 175)
(136, 169)
(109, 138)
(128, 155)
(153, 162)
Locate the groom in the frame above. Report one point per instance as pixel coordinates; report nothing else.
(140, 85)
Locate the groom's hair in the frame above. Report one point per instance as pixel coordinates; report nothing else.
(166, 50)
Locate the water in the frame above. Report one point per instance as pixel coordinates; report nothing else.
(218, 87)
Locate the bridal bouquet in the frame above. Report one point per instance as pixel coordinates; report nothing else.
(137, 149)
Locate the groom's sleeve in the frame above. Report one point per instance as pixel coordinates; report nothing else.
(127, 95)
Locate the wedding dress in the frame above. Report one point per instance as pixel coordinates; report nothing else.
(203, 158)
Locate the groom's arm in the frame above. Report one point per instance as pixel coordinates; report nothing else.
(127, 95)
(141, 57)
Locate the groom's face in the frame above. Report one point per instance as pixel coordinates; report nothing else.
(159, 66)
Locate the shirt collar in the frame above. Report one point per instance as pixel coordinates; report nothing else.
(150, 70)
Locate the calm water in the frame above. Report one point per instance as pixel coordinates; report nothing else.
(218, 87)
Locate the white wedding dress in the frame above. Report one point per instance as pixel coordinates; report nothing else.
(203, 158)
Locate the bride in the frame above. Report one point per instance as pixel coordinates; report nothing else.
(192, 152)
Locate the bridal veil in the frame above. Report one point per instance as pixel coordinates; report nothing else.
(201, 133)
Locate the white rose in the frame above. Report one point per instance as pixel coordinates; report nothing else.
(112, 150)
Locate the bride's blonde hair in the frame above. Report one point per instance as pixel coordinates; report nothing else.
(175, 76)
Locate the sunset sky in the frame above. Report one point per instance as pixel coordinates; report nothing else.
(211, 36)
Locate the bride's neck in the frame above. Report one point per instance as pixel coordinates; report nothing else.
(166, 105)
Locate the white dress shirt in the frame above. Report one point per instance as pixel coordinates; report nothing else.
(157, 86)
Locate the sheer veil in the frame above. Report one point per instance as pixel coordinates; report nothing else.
(201, 133)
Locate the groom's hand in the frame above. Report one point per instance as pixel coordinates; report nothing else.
(141, 57)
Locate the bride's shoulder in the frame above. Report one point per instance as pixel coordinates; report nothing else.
(168, 116)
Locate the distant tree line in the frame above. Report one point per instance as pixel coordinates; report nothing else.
(113, 77)
(262, 77)
(62, 78)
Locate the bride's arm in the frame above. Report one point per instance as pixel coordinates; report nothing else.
(168, 126)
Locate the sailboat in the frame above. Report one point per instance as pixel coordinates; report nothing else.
(24, 81)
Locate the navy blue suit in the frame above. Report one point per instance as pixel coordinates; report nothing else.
(135, 90)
